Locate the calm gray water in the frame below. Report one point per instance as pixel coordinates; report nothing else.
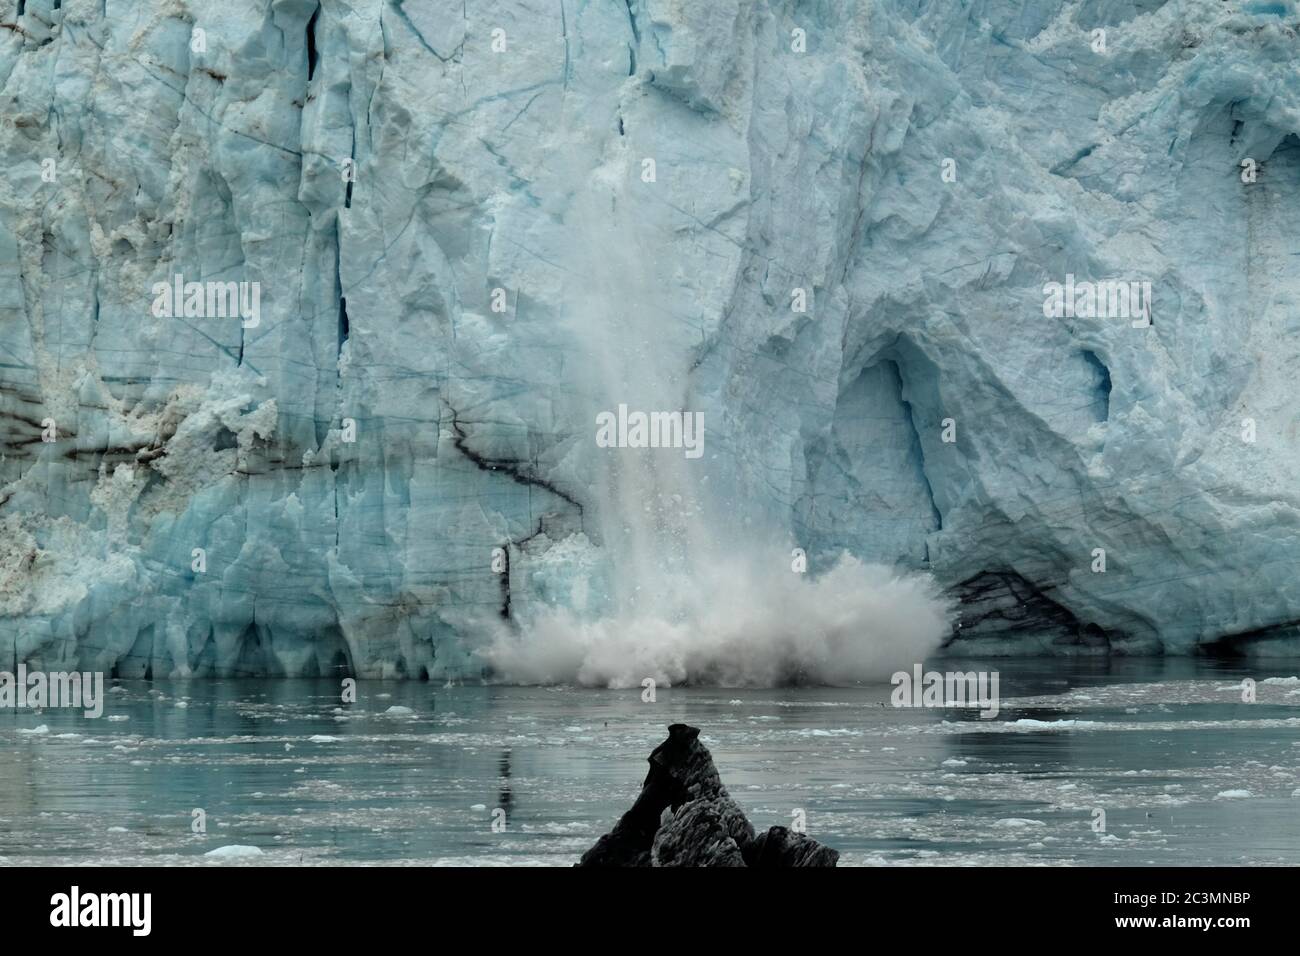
(1185, 772)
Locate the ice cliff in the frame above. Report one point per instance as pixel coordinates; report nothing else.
(827, 226)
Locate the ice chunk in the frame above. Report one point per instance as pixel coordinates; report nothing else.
(234, 851)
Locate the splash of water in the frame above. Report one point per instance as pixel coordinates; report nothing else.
(740, 626)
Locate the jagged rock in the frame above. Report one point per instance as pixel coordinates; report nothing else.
(685, 817)
(698, 835)
(778, 847)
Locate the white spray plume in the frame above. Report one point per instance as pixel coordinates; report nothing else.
(855, 623)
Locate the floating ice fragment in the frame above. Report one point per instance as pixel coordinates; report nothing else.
(233, 852)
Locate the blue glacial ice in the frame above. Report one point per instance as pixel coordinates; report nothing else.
(475, 226)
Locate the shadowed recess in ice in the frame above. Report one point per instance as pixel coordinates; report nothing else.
(475, 226)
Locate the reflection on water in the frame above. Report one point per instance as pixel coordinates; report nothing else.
(1184, 771)
(504, 800)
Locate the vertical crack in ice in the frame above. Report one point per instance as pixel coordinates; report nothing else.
(94, 315)
(564, 33)
(313, 54)
(636, 38)
(343, 324)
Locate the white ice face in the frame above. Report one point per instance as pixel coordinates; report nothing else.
(306, 322)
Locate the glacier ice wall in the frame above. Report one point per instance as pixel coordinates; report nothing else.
(324, 489)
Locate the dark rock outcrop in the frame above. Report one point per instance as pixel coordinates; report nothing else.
(685, 817)
(779, 847)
